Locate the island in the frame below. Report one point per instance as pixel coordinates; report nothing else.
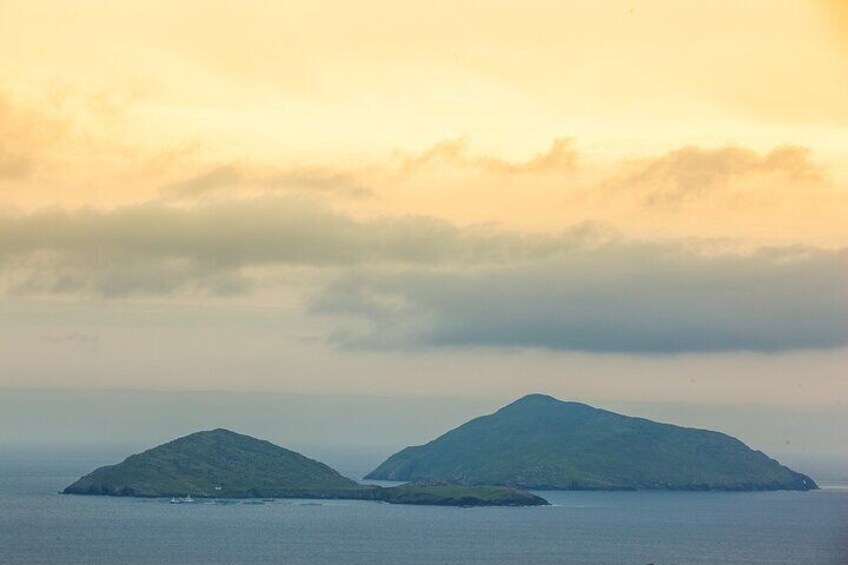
(221, 464)
(440, 493)
(541, 443)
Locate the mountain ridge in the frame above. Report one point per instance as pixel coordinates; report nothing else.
(541, 443)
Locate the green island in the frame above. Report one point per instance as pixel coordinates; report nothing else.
(447, 494)
(541, 443)
(221, 464)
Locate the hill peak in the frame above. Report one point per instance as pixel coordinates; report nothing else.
(542, 401)
(536, 397)
(215, 436)
(222, 432)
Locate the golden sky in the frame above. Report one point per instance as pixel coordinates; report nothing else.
(442, 109)
(659, 184)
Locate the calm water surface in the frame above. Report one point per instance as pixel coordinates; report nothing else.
(39, 526)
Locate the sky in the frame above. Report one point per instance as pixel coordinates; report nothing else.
(636, 204)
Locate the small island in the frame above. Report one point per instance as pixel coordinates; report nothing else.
(221, 464)
(541, 443)
(438, 493)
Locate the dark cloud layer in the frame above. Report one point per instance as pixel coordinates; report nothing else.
(408, 282)
(158, 249)
(618, 299)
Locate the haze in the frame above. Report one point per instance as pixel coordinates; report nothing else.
(640, 205)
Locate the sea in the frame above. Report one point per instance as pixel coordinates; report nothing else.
(40, 526)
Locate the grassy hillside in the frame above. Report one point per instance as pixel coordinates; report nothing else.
(459, 495)
(217, 463)
(539, 442)
(224, 464)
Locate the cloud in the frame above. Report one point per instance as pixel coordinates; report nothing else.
(24, 137)
(560, 157)
(198, 185)
(621, 298)
(81, 146)
(692, 173)
(159, 249)
(230, 179)
(413, 282)
(15, 156)
(13, 164)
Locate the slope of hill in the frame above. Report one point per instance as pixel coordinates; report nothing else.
(224, 464)
(539, 442)
(217, 463)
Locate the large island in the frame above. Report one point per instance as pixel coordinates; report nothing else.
(541, 443)
(223, 464)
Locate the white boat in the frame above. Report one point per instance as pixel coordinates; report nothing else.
(188, 498)
(174, 500)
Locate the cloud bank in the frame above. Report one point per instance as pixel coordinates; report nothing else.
(412, 282)
(612, 299)
(157, 248)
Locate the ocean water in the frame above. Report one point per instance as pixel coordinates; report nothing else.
(37, 525)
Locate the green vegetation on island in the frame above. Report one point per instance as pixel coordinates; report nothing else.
(539, 442)
(217, 463)
(446, 494)
(223, 464)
